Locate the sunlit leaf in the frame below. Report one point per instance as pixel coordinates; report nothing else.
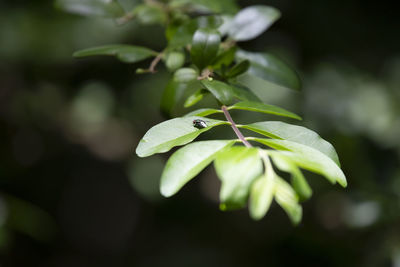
(261, 195)
(270, 68)
(287, 198)
(252, 21)
(105, 8)
(125, 53)
(299, 183)
(176, 132)
(203, 112)
(294, 133)
(264, 108)
(307, 158)
(205, 45)
(187, 162)
(237, 167)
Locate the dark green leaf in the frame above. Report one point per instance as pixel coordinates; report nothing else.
(203, 112)
(294, 133)
(185, 75)
(307, 158)
(270, 68)
(252, 21)
(224, 58)
(187, 162)
(171, 95)
(179, 131)
(125, 53)
(264, 108)
(222, 91)
(195, 98)
(243, 93)
(238, 69)
(92, 7)
(205, 45)
(237, 167)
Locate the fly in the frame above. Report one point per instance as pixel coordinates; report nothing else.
(199, 124)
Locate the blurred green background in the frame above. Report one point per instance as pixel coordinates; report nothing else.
(73, 192)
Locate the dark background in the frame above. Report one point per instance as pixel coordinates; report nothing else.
(73, 192)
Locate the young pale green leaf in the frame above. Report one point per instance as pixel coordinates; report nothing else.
(307, 158)
(185, 75)
(195, 98)
(238, 69)
(287, 198)
(222, 91)
(125, 53)
(294, 133)
(270, 68)
(203, 112)
(252, 21)
(176, 132)
(264, 108)
(187, 162)
(299, 183)
(237, 167)
(174, 60)
(261, 194)
(102, 8)
(205, 45)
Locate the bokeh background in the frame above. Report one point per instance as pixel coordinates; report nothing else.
(73, 192)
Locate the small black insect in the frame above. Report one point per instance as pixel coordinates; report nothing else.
(199, 124)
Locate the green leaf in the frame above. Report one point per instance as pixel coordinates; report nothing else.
(238, 69)
(264, 108)
(224, 58)
(299, 183)
(195, 98)
(125, 53)
(294, 133)
(237, 167)
(174, 60)
(243, 93)
(287, 198)
(307, 158)
(205, 46)
(203, 112)
(185, 75)
(105, 8)
(149, 14)
(270, 68)
(261, 194)
(202, 6)
(222, 91)
(187, 162)
(171, 95)
(252, 21)
(176, 132)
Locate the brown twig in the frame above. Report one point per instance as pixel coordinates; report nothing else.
(235, 129)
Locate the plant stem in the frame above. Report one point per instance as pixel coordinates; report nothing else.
(235, 129)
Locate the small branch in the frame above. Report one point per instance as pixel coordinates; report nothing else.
(205, 74)
(154, 63)
(235, 129)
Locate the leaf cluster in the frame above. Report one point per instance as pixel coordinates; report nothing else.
(204, 57)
